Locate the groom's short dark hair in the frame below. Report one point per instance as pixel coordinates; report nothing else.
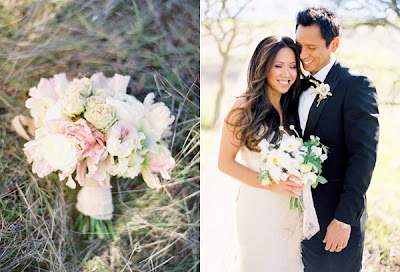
(327, 21)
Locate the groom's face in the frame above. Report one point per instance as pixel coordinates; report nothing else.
(315, 55)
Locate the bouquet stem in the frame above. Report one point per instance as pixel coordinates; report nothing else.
(297, 204)
(95, 228)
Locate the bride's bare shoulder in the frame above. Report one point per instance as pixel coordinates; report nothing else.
(239, 103)
(235, 114)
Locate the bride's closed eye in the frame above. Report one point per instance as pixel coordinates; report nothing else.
(280, 66)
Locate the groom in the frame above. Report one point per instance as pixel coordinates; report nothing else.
(346, 122)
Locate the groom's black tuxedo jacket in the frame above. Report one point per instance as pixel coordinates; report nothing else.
(346, 122)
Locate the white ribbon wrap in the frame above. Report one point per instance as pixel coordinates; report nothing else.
(95, 200)
(310, 219)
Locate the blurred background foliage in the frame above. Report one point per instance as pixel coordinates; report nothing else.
(155, 42)
(369, 39)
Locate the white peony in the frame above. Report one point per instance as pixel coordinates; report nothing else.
(54, 112)
(44, 96)
(127, 108)
(104, 92)
(104, 86)
(33, 152)
(158, 116)
(60, 152)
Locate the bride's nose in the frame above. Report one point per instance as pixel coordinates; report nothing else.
(286, 72)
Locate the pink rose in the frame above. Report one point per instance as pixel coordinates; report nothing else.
(161, 161)
(90, 142)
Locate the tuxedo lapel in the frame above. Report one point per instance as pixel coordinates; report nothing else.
(315, 111)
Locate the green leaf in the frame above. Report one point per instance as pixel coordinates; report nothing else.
(321, 180)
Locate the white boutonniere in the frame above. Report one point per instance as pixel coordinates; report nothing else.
(322, 89)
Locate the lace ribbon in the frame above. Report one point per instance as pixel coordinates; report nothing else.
(95, 200)
(310, 219)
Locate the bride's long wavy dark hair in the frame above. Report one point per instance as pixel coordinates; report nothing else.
(258, 119)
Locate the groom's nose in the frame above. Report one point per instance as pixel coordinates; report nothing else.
(304, 54)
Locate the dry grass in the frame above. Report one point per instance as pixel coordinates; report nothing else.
(156, 43)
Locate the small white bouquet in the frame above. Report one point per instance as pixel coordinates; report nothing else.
(88, 129)
(292, 158)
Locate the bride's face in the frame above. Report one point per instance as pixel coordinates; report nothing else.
(283, 72)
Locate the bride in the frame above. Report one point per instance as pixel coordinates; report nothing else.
(268, 232)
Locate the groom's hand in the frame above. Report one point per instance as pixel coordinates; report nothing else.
(336, 237)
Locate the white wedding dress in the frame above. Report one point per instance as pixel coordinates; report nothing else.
(246, 229)
(268, 232)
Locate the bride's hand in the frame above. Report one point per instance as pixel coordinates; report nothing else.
(289, 187)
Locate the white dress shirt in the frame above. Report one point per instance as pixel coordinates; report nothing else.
(307, 97)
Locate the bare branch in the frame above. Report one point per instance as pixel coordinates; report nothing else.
(378, 22)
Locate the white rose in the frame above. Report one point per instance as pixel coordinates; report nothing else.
(101, 116)
(81, 87)
(306, 168)
(73, 105)
(60, 152)
(92, 101)
(309, 178)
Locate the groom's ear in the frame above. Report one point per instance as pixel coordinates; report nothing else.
(335, 44)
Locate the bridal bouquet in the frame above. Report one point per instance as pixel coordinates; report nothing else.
(88, 129)
(293, 159)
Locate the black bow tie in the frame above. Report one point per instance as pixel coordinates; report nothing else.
(313, 78)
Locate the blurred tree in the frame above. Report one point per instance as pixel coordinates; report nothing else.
(221, 22)
(375, 13)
